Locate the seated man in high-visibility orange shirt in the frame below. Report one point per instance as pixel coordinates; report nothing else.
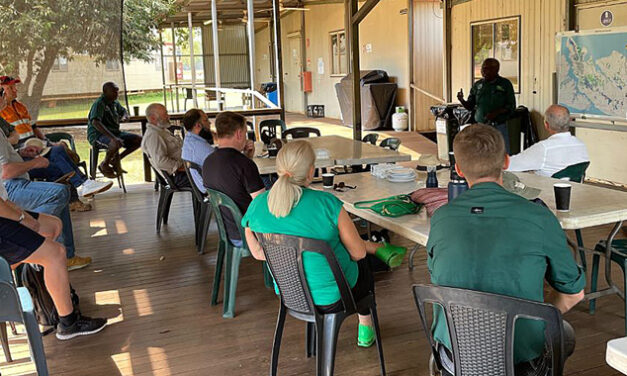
(16, 113)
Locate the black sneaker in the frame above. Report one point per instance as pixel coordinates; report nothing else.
(83, 326)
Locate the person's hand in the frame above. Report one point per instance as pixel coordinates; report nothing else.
(460, 95)
(40, 162)
(29, 151)
(30, 222)
(125, 117)
(490, 116)
(249, 149)
(14, 138)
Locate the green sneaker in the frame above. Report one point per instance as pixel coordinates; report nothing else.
(365, 336)
(390, 255)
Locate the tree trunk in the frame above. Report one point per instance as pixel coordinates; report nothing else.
(32, 100)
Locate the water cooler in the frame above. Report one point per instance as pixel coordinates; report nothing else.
(446, 126)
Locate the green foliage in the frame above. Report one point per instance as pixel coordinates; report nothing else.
(35, 32)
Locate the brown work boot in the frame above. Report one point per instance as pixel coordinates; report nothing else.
(80, 206)
(107, 171)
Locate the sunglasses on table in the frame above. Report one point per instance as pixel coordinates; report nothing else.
(341, 187)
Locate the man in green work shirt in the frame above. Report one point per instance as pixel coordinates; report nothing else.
(103, 128)
(488, 239)
(492, 98)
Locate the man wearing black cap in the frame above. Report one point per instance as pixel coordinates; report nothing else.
(104, 128)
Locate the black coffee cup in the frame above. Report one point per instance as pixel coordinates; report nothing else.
(272, 151)
(327, 180)
(136, 110)
(562, 196)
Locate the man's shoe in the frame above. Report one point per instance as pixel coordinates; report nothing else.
(92, 187)
(65, 178)
(107, 171)
(78, 262)
(80, 206)
(83, 326)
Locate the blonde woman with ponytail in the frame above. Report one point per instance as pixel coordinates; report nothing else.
(292, 208)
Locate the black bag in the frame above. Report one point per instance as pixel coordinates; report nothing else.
(33, 279)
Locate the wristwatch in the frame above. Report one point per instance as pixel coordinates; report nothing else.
(22, 216)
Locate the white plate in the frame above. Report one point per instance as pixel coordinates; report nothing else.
(401, 180)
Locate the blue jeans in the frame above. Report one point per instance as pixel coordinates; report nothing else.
(48, 198)
(60, 164)
(505, 132)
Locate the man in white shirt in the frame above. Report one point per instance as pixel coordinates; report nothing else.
(555, 153)
(162, 147)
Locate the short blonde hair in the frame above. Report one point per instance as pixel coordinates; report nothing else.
(293, 163)
(479, 152)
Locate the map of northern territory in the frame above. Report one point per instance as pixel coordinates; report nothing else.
(592, 74)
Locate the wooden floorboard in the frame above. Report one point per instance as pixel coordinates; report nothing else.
(155, 291)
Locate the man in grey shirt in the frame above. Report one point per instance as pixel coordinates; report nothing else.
(40, 197)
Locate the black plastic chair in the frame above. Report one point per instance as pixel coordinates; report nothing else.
(371, 138)
(94, 151)
(481, 328)
(271, 128)
(204, 210)
(63, 136)
(284, 257)
(16, 305)
(391, 143)
(300, 132)
(167, 188)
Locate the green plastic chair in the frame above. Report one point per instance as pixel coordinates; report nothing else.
(577, 173)
(63, 136)
(232, 253)
(619, 256)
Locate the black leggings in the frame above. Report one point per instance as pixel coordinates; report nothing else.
(363, 287)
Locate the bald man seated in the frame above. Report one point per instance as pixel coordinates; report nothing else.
(555, 153)
(162, 147)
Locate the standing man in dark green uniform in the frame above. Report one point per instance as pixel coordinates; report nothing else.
(488, 239)
(492, 98)
(104, 128)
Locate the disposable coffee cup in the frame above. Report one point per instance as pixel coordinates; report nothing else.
(562, 196)
(327, 180)
(136, 110)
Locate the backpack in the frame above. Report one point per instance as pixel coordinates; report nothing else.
(32, 277)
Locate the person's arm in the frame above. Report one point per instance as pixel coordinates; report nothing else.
(530, 159)
(252, 180)
(564, 302)
(11, 211)
(254, 246)
(470, 103)
(355, 245)
(96, 113)
(38, 133)
(563, 274)
(158, 151)
(14, 169)
(510, 102)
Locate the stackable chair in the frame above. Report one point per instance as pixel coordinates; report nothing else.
(204, 211)
(300, 132)
(232, 253)
(391, 143)
(94, 151)
(271, 128)
(481, 328)
(577, 173)
(284, 257)
(16, 305)
(63, 136)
